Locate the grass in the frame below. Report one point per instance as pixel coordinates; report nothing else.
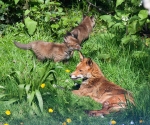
(115, 60)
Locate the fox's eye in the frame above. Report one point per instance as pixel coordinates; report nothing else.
(80, 70)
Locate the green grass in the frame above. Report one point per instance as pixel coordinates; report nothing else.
(116, 62)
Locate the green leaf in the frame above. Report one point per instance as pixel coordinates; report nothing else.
(133, 18)
(125, 40)
(27, 12)
(142, 22)
(120, 25)
(60, 9)
(107, 18)
(21, 90)
(133, 1)
(2, 87)
(129, 38)
(10, 101)
(143, 14)
(35, 109)
(139, 54)
(41, 1)
(55, 26)
(104, 56)
(2, 95)
(31, 25)
(54, 3)
(27, 88)
(134, 27)
(30, 97)
(16, 1)
(118, 2)
(39, 98)
(47, 18)
(47, 1)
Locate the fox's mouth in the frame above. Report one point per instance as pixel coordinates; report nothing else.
(73, 77)
(76, 78)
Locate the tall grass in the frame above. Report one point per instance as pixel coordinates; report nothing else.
(115, 60)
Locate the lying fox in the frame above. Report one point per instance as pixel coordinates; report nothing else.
(84, 28)
(55, 51)
(112, 97)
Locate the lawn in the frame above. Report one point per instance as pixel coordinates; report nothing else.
(22, 75)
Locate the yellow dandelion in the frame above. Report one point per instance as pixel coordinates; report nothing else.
(68, 120)
(67, 70)
(113, 122)
(50, 110)
(7, 112)
(42, 85)
(141, 121)
(64, 123)
(6, 124)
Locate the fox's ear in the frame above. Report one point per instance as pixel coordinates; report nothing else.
(81, 56)
(68, 34)
(65, 39)
(89, 62)
(92, 18)
(75, 36)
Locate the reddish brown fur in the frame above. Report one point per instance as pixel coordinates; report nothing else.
(111, 96)
(55, 51)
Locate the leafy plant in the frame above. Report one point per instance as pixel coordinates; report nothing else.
(130, 19)
(28, 15)
(29, 85)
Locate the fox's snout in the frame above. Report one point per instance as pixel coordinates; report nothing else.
(74, 76)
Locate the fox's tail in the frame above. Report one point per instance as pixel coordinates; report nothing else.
(23, 46)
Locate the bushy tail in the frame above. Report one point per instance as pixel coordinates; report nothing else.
(23, 46)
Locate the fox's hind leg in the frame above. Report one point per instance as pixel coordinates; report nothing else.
(113, 104)
(101, 112)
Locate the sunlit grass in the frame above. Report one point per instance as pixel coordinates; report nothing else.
(60, 104)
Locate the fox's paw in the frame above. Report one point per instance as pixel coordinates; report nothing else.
(93, 113)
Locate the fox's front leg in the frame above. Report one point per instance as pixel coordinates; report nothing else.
(76, 92)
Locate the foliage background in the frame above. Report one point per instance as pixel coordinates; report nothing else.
(119, 44)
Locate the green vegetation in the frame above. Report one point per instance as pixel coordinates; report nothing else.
(29, 88)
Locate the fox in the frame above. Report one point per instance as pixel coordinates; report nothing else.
(50, 50)
(84, 28)
(96, 86)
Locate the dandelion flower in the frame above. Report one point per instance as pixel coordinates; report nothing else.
(6, 124)
(42, 85)
(50, 110)
(113, 122)
(64, 123)
(7, 112)
(68, 120)
(141, 121)
(67, 70)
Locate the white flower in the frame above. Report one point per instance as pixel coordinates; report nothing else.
(131, 123)
(141, 3)
(124, 18)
